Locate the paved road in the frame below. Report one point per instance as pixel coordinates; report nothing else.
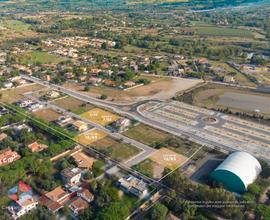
(186, 133)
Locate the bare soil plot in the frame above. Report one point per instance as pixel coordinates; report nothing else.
(47, 114)
(100, 116)
(245, 101)
(90, 137)
(74, 105)
(116, 149)
(14, 94)
(160, 88)
(168, 158)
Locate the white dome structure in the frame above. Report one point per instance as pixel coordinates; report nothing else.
(237, 171)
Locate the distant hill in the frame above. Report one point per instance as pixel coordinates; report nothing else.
(86, 5)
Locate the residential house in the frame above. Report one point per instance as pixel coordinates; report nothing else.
(86, 195)
(8, 85)
(131, 184)
(63, 121)
(129, 84)
(24, 103)
(228, 79)
(34, 107)
(58, 195)
(8, 156)
(95, 81)
(23, 200)
(120, 124)
(79, 126)
(53, 94)
(83, 161)
(18, 128)
(3, 111)
(71, 176)
(36, 147)
(78, 205)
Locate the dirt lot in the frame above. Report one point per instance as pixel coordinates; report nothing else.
(100, 116)
(245, 101)
(209, 96)
(74, 105)
(90, 137)
(117, 150)
(14, 94)
(168, 158)
(159, 88)
(47, 115)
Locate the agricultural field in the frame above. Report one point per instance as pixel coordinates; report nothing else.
(117, 150)
(74, 105)
(12, 29)
(100, 116)
(238, 77)
(223, 31)
(14, 94)
(90, 137)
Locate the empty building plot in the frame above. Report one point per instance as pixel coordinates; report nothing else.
(175, 117)
(181, 111)
(237, 137)
(100, 116)
(192, 108)
(246, 123)
(90, 137)
(247, 131)
(168, 158)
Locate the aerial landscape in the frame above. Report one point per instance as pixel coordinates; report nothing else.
(135, 109)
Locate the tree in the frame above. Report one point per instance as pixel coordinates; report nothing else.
(87, 88)
(262, 211)
(104, 46)
(86, 215)
(103, 97)
(254, 189)
(158, 212)
(97, 168)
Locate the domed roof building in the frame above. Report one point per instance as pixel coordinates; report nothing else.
(237, 171)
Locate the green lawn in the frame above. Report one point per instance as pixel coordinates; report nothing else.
(40, 57)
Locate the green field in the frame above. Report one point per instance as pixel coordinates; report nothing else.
(115, 149)
(14, 25)
(220, 31)
(40, 57)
